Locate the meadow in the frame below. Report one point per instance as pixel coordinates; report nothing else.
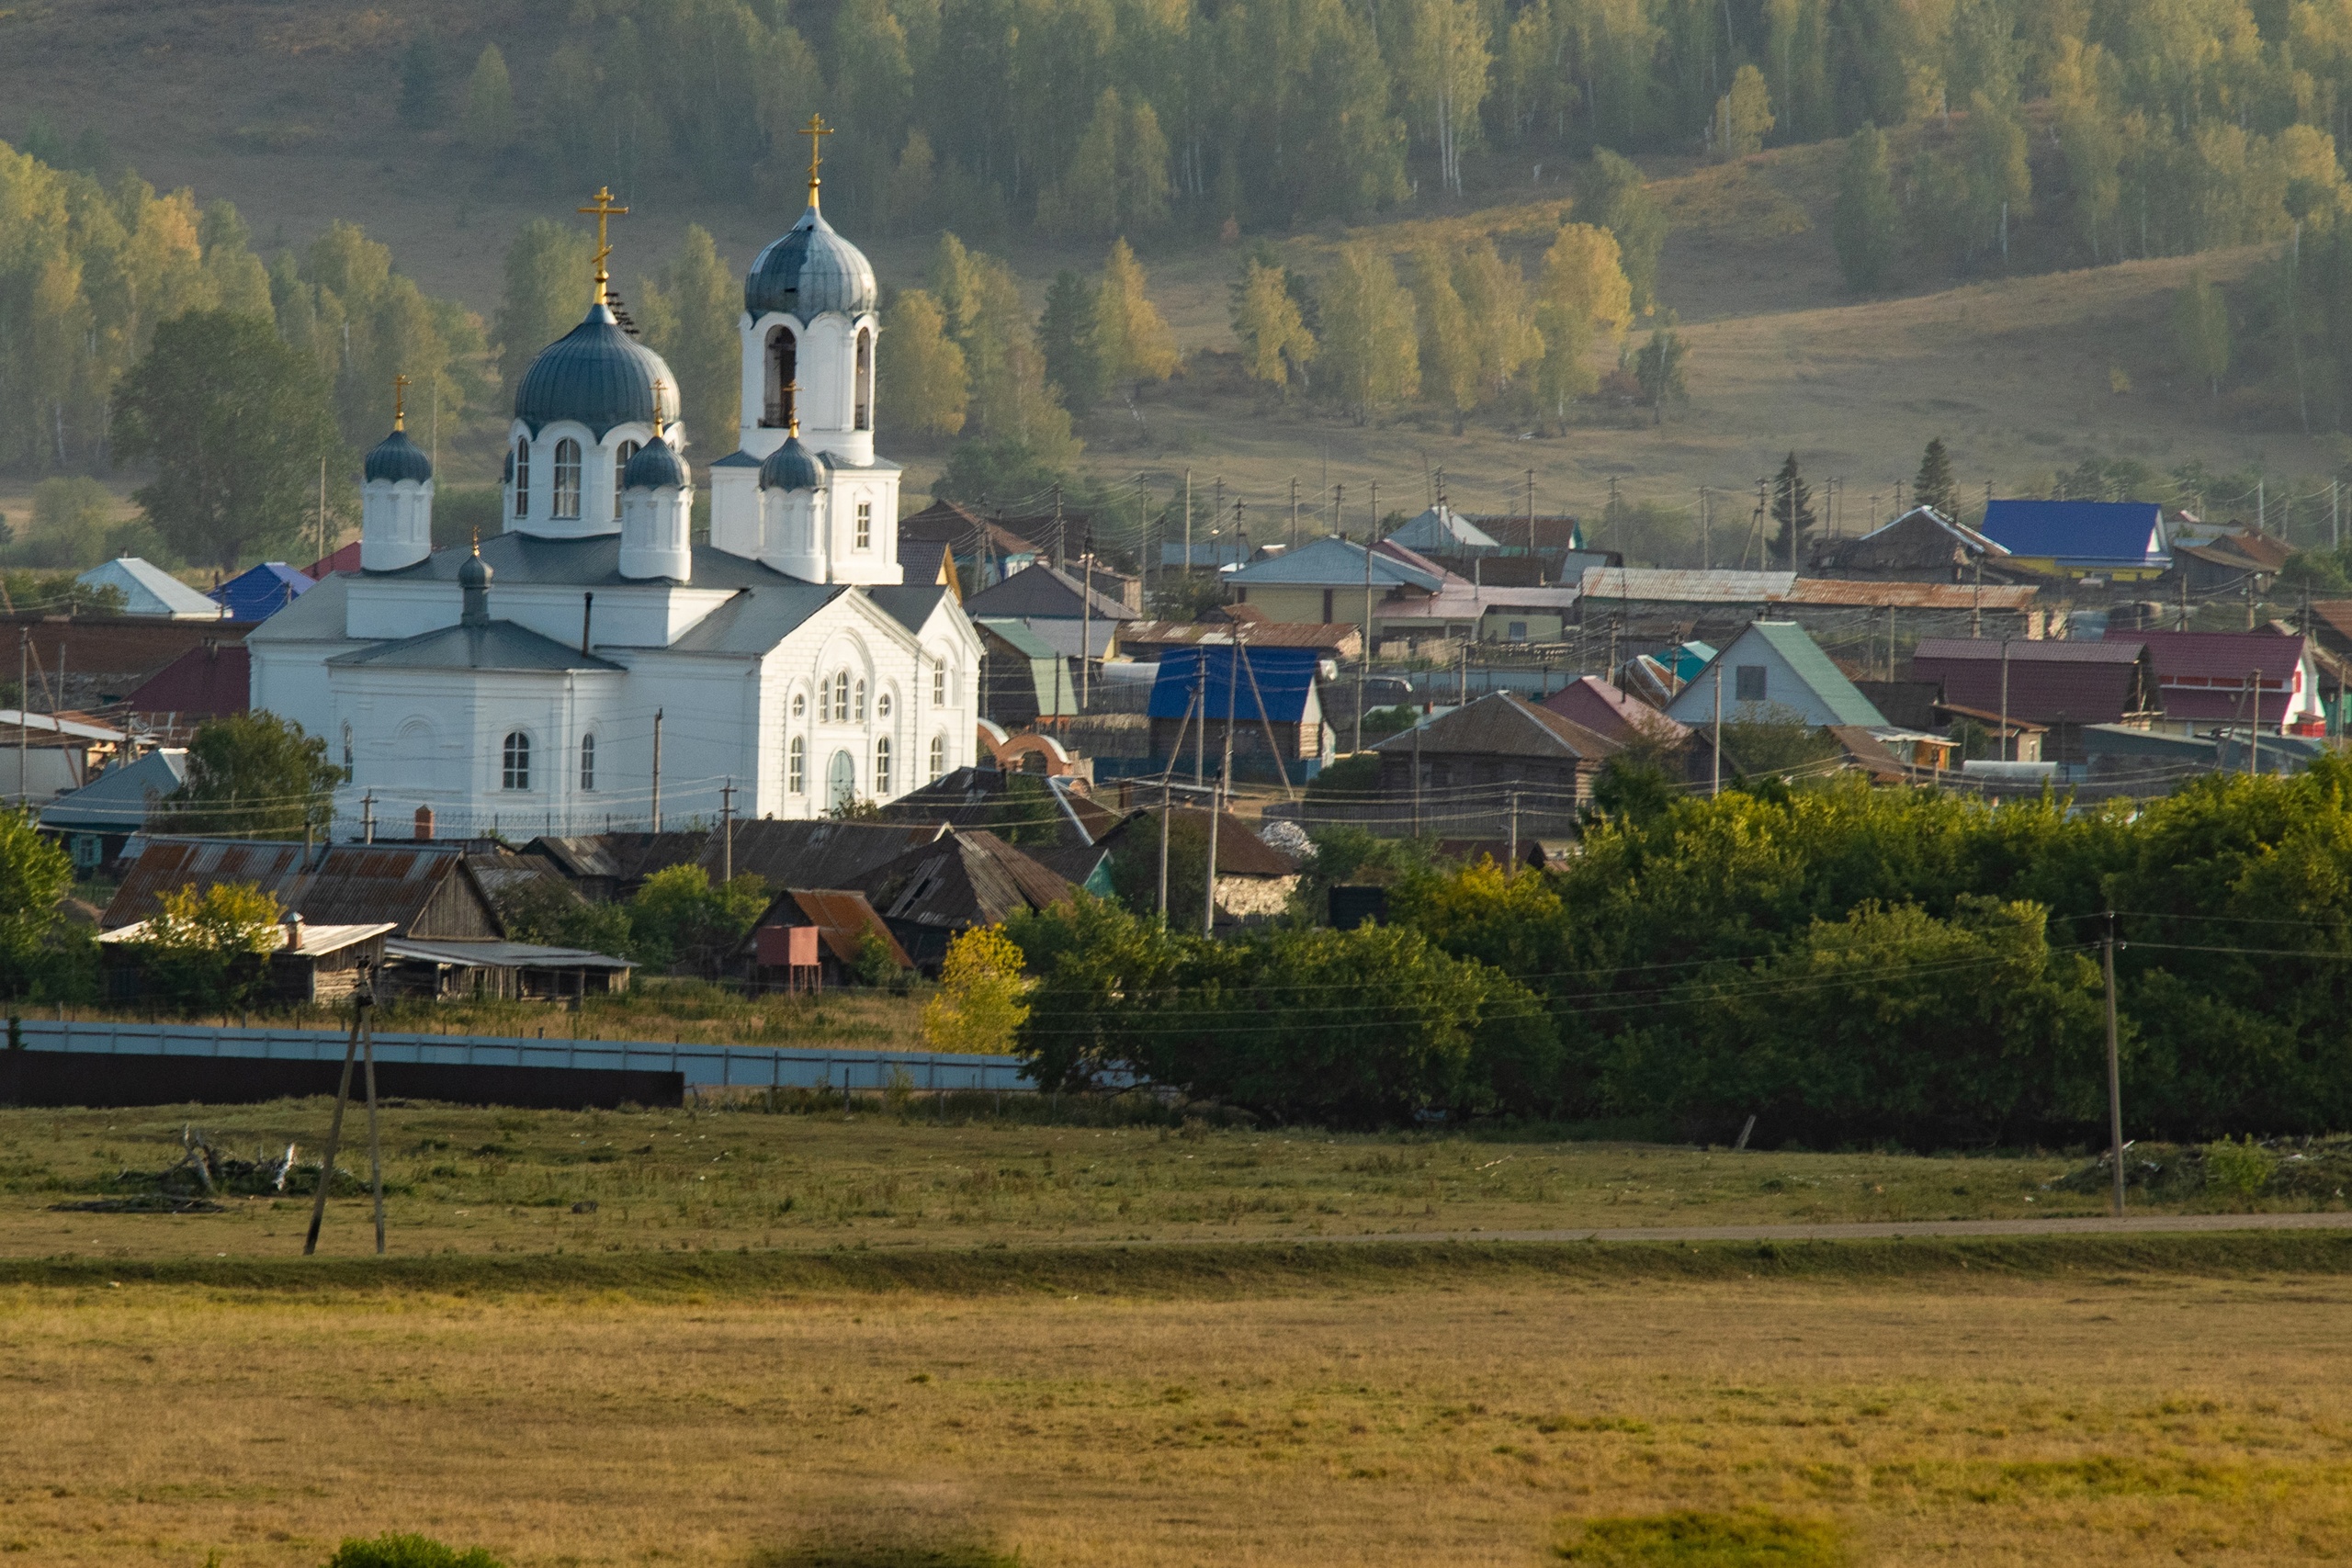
(1963, 1418)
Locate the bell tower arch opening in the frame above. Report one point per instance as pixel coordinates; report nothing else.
(783, 359)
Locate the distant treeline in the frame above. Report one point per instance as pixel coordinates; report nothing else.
(1845, 965)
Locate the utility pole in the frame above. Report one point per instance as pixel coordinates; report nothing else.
(2254, 730)
(367, 817)
(1294, 511)
(2005, 702)
(24, 696)
(1200, 741)
(1417, 775)
(1188, 523)
(1217, 810)
(1976, 600)
(727, 830)
(2114, 1069)
(657, 769)
(1719, 727)
(1706, 533)
(1513, 866)
(1061, 546)
(1163, 846)
(1086, 619)
(1364, 663)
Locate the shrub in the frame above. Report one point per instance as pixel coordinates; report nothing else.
(1751, 1539)
(979, 1009)
(2244, 1167)
(391, 1551)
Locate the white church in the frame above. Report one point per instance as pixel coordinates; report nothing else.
(593, 666)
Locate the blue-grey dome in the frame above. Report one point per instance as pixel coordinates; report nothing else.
(596, 374)
(473, 573)
(396, 457)
(792, 467)
(653, 467)
(809, 271)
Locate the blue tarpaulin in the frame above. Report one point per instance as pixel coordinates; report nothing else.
(1282, 676)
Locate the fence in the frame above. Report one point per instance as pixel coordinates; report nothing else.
(144, 1063)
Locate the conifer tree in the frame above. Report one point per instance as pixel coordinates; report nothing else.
(1792, 510)
(1934, 485)
(1066, 337)
(489, 124)
(1868, 222)
(2200, 327)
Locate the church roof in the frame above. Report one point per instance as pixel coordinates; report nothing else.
(593, 562)
(492, 645)
(654, 466)
(909, 605)
(811, 270)
(754, 623)
(792, 467)
(396, 457)
(596, 374)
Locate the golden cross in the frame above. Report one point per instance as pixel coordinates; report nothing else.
(659, 386)
(603, 209)
(399, 402)
(815, 128)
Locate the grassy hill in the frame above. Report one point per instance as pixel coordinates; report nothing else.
(291, 112)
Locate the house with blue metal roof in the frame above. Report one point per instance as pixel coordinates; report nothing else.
(1322, 583)
(258, 593)
(2123, 540)
(1266, 697)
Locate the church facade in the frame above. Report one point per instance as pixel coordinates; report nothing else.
(593, 665)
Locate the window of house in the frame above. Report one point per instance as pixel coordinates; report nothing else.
(783, 358)
(799, 703)
(882, 705)
(882, 766)
(865, 525)
(566, 477)
(587, 763)
(938, 757)
(515, 760)
(862, 415)
(841, 696)
(796, 766)
(1747, 682)
(939, 682)
(523, 478)
(1518, 631)
(621, 454)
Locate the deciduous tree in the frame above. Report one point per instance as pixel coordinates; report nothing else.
(1582, 298)
(689, 316)
(1371, 356)
(2200, 329)
(1131, 340)
(489, 124)
(1868, 224)
(921, 367)
(253, 775)
(550, 268)
(1266, 318)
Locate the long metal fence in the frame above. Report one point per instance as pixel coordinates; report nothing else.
(702, 1067)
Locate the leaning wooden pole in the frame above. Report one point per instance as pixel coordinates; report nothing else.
(335, 1137)
(363, 1008)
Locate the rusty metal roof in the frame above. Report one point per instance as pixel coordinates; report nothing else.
(1239, 851)
(1505, 724)
(344, 885)
(1827, 590)
(967, 878)
(841, 918)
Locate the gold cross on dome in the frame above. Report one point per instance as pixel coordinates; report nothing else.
(813, 129)
(400, 401)
(603, 209)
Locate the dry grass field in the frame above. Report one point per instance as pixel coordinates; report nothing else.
(2117, 1420)
(475, 1182)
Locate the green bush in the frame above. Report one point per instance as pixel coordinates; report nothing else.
(1752, 1539)
(2244, 1167)
(390, 1551)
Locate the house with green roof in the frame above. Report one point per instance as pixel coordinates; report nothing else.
(1772, 672)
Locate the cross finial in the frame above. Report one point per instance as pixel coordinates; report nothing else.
(792, 403)
(603, 209)
(477, 541)
(400, 401)
(813, 129)
(659, 386)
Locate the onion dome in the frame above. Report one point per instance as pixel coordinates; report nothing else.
(598, 374)
(654, 466)
(396, 457)
(792, 465)
(809, 271)
(473, 578)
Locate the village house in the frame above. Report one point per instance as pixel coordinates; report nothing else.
(2045, 693)
(1266, 701)
(1773, 673)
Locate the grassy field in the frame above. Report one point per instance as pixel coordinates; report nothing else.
(931, 1175)
(2117, 1419)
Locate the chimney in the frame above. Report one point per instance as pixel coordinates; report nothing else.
(292, 921)
(423, 824)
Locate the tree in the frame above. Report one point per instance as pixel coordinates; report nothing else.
(1657, 368)
(1934, 486)
(688, 317)
(1445, 76)
(35, 874)
(253, 775)
(1612, 194)
(549, 269)
(1370, 357)
(421, 79)
(237, 423)
(488, 125)
(979, 1009)
(2200, 330)
(679, 921)
(1066, 337)
(1868, 224)
(1117, 177)
(72, 520)
(1501, 314)
(1449, 354)
(2000, 180)
(204, 948)
(1745, 113)
(1130, 339)
(1792, 508)
(1583, 294)
(1266, 318)
(924, 369)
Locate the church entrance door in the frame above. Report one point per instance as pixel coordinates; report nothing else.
(840, 781)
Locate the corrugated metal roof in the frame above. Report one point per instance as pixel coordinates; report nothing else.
(968, 878)
(1804, 659)
(503, 954)
(1239, 851)
(1246, 683)
(1443, 530)
(1671, 585)
(316, 940)
(1827, 590)
(149, 589)
(2203, 675)
(1504, 724)
(1154, 635)
(201, 682)
(1600, 707)
(2079, 533)
(1334, 562)
(2049, 682)
(260, 592)
(117, 797)
(1038, 589)
(841, 917)
(349, 884)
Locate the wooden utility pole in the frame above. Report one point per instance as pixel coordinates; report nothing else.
(1163, 841)
(2114, 1069)
(1294, 511)
(727, 830)
(657, 769)
(1719, 727)
(362, 1001)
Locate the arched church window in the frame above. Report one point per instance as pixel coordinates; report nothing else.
(587, 764)
(860, 715)
(938, 757)
(841, 782)
(882, 766)
(566, 478)
(882, 705)
(939, 682)
(799, 703)
(864, 411)
(621, 454)
(841, 696)
(515, 761)
(523, 477)
(782, 367)
(796, 766)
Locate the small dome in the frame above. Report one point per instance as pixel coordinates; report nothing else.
(791, 467)
(396, 457)
(809, 271)
(654, 466)
(598, 374)
(474, 574)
